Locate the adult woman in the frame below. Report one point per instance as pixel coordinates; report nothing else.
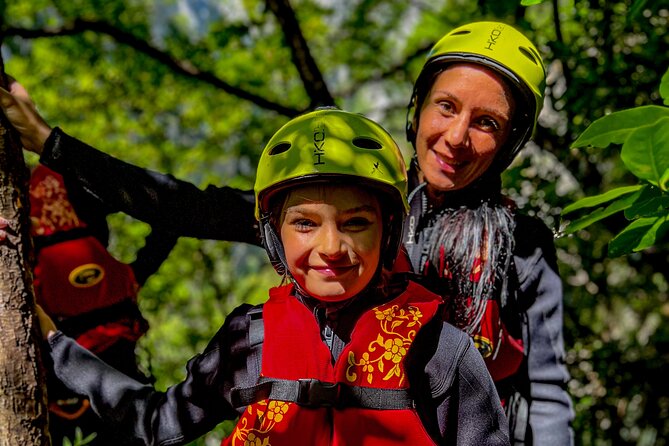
(475, 104)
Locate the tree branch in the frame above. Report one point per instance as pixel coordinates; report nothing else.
(304, 62)
(182, 67)
(395, 69)
(556, 22)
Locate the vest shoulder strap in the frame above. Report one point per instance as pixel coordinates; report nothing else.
(256, 336)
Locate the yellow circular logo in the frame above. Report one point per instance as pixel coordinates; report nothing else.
(483, 345)
(87, 275)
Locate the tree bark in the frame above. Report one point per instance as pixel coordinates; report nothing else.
(23, 408)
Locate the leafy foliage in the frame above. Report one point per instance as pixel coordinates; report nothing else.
(644, 135)
(79, 439)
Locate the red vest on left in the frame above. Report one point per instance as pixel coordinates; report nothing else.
(77, 275)
(373, 359)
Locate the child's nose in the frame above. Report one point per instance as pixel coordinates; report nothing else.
(331, 242)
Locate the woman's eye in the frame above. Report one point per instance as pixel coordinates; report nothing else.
(489, 124)
(446, 106)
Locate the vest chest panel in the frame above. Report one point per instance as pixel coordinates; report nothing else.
(371, 366)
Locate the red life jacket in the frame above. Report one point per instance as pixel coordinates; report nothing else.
(502, 353)
(340, 404)
(74, 274)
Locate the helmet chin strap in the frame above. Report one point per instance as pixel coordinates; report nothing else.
(277, 255)
(273, 246)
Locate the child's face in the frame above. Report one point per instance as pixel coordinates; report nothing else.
(331, 236)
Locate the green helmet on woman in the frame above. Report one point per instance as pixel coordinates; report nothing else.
(506, 51)
(332, 146)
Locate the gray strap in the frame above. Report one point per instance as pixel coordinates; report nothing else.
(256, 336)
(315, 393)
(518, 412)
(256, 326)
(415, 234)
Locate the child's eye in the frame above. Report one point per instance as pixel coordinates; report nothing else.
(302, 224)
(358, 223)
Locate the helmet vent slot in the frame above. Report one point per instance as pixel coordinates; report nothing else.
(279, 148)
(460, 33)
(366, 143)
(529, 54)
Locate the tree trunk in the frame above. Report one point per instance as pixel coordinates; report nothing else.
(23, 409)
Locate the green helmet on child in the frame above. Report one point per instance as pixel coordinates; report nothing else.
(332, 146)
(506, 51)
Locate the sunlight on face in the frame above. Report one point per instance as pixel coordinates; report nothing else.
(463, 122)
(331, 236)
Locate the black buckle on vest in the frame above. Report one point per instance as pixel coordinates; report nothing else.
(314, 393)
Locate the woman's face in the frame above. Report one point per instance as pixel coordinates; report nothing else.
(463, 122)
(331, 236)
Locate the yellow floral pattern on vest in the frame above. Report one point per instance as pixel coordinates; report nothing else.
(266, 414)
(56, 211)
(384, 354)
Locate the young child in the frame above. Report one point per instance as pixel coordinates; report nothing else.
(341, 353)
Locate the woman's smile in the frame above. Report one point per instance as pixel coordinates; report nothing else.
(446, 163)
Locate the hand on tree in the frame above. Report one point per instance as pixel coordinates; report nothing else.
(22, 113)
(4, 224)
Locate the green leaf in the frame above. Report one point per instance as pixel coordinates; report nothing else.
(614, 128)
(646, 153)
(601, 213)
(638, 235)
(637, 9)
(655, 235)
(664, 87)
(596, 200)
(530, 2)
(89, 438)
(651, 201)
(664, 180)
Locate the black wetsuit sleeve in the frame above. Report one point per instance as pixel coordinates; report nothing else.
(220, 213)
(146, 416)
(467, 406)
(89, 209)
(157, 246)
(540, 295)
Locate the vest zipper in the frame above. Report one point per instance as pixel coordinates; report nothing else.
(326, 331)
(328, 338)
